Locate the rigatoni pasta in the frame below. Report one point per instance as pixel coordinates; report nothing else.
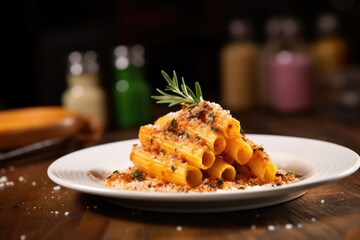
(199, 148)
(239, 150)
(168, 168)
(192, 135)
(260, 163)
(214, 140)
(222, 170)
(197, 155)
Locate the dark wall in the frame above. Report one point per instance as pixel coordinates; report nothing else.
(178, 35)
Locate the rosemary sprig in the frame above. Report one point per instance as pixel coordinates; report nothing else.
(184, 95)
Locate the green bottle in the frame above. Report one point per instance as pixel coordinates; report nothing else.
(131, 91)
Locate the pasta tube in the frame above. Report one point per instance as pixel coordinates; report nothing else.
(174, 171)
(261, 166)
(238, 149)
(213, 139)
(214, 115)
(270, 172)
(229, 126)
(197, 155)
(222, 170)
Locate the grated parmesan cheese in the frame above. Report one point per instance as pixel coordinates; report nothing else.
(123, 180)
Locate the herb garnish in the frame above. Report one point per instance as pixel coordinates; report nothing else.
(211, 117)
(114, 172)
(173, 124)
(182, 134)
(297, 175)
(138, 175)
(213, 128)
(184, 95)
(242, 132)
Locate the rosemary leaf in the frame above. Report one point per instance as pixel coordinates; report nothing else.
(182, 95)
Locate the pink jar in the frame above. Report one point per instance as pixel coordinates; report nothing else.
(290, 83)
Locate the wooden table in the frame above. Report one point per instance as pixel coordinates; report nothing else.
(33, 207)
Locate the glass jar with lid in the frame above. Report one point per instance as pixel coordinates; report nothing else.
(84, 93)
(238, 61)
(290, 81)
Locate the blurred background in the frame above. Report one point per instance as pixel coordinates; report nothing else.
(285, 57)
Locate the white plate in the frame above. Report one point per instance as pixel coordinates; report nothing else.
(319, 162)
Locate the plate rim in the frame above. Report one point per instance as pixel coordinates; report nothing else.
(190, 197)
